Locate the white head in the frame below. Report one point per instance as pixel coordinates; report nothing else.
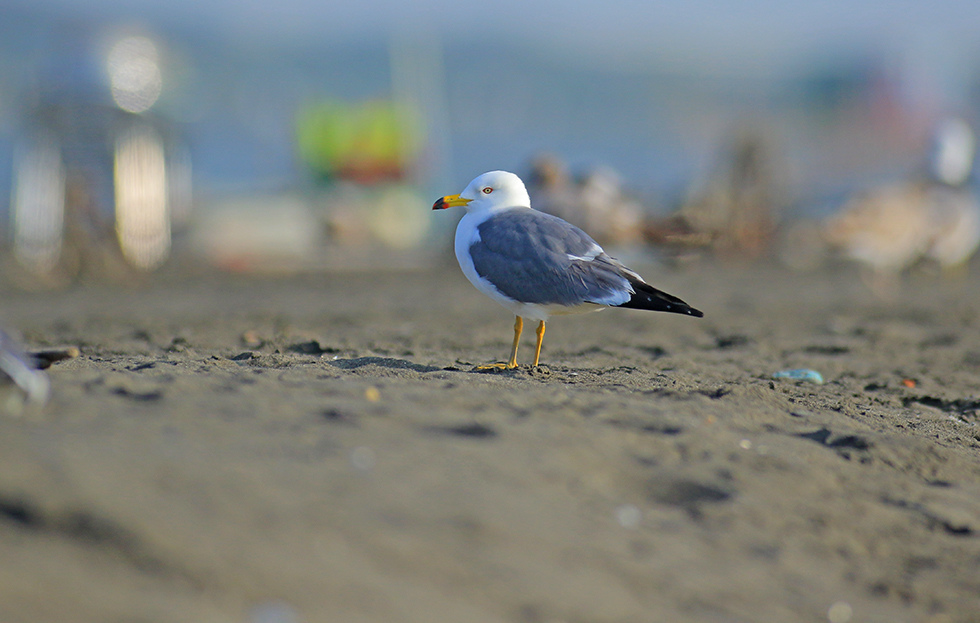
(955, 145)
(491, 191)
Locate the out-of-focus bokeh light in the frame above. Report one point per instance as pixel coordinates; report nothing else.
(133, 64)
(142, 217)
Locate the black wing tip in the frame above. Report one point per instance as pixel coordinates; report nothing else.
(672, 307)
(647, 297)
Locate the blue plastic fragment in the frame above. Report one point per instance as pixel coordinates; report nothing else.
(800, 374)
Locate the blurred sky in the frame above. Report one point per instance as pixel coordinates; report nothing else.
(730, 35)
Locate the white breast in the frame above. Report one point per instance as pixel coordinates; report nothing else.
(467, 233)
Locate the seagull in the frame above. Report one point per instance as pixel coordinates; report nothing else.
(537, 265)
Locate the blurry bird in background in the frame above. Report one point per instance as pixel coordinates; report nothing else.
(594, 201)
(934, 216)
(733, 211)
(552, 189)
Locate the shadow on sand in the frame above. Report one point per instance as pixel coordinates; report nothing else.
(382, 362)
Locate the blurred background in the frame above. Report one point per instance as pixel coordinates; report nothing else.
(300, 135)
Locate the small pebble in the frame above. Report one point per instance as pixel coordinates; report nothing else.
(251, 339)
(628, 516)
(840, 612)
(371, 394)
(273, 612)
(362, 458)
(47, 356)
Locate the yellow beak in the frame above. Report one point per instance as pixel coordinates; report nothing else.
(449, 201)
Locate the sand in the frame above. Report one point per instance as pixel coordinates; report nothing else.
(320, 448)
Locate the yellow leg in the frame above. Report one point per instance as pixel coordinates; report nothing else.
(512, 363)
(537, 348)
(518, 328)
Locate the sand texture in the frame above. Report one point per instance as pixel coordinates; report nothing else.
(319, 448)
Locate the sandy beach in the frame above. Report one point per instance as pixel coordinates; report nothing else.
(320, 448)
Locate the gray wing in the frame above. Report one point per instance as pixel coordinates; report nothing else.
(534, 257)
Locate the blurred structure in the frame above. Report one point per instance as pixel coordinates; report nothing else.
(352, 197)
(734, 211)
(38, 202)
(595, 202)
(97, 178)
(933, 216)
(362, 158)
(367, 143)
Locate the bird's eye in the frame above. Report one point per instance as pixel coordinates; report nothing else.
(487, 190)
